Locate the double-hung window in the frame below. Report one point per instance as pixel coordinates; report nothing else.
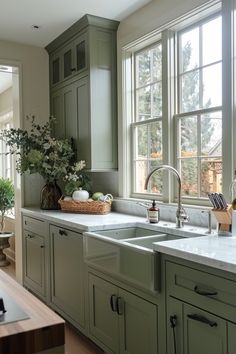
(147, 123)
(177, 102)
(7, 166)
(199, 108)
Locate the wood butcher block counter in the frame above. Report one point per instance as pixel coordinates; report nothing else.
(41, 333)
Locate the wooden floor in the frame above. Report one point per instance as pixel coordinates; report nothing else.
(76, 343)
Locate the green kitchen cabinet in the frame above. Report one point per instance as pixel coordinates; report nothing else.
(67, 274)
(35, 256)
(83, 89)
(123, 322)
(231, 338)
(69, 60)
(201, 308)
(63, 104)
(192, 331)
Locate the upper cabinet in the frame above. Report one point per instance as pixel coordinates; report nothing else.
(69, 61)
(83, 94)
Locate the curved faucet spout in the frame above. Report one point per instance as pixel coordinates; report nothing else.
(181, 215)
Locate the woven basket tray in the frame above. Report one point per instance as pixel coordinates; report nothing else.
(93, 207)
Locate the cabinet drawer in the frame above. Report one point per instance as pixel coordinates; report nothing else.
(35, 225)
(208, 291)
(61, 231)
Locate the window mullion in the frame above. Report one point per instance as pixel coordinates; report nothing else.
(199, 153)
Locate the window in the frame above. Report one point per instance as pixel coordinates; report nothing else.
(6, 168)
(147, 124)
(176, 100)
(199, 118)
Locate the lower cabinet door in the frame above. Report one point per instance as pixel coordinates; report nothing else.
(125, 323)
(34, 263)
(137, 324)
(67, 282)
(231, 338)
(194, 330)
(103, 319)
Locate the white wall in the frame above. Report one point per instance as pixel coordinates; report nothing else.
(34, 89)
(34, 99)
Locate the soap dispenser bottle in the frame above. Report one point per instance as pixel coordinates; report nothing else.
(153, 213)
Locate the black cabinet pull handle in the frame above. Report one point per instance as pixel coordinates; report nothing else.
(73, 69)
(62, 232)
(202, 319)
(120, 306)
(113, 302)
(173, 321)
(42, 246)
(204, 292)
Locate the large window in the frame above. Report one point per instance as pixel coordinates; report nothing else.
(147, 124)
(176, 114)
(6, 167)
(199, 118)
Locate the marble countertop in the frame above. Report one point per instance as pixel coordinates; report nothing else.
(213, 250)
(85, 222)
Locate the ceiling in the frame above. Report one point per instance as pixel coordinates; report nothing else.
(54, 16)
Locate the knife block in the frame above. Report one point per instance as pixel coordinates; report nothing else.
(224, 218)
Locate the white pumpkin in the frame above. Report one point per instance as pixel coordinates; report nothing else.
(80, 195)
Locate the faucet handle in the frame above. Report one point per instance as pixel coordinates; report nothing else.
(182, 215)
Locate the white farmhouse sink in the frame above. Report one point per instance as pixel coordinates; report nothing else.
(127, 253)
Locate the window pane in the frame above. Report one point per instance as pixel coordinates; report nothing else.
(149, 141)
(144, 103)
(190, 91)
(142, 142)
(189, 50)
(157, 100)
(155, 139)
(211, 176)
(212, 49)
(143, 68)
(211, 137)
(188, 133)
(189, 177)
(142, 169)
(157, 65)
(149, 154)
(212, 86)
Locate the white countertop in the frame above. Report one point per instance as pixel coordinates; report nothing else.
(85, 222)
(215, 251)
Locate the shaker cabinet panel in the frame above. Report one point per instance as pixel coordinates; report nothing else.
(193, 331)
(34, 263)
(35, 256)
(103, 321)
(67, 274)
(124, 322)
(138, 325)
(231, 338)
(63, 109)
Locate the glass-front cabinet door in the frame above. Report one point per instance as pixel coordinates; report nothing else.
(81, 60)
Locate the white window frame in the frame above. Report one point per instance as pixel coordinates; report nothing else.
(169, 108)
(5, 120)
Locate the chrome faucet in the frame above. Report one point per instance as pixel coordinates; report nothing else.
(181, 215)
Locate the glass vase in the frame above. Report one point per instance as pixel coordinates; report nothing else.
(50, 194)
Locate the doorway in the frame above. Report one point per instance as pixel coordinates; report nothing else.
(10, 117)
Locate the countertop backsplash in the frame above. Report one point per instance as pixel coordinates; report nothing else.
(167, 211)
